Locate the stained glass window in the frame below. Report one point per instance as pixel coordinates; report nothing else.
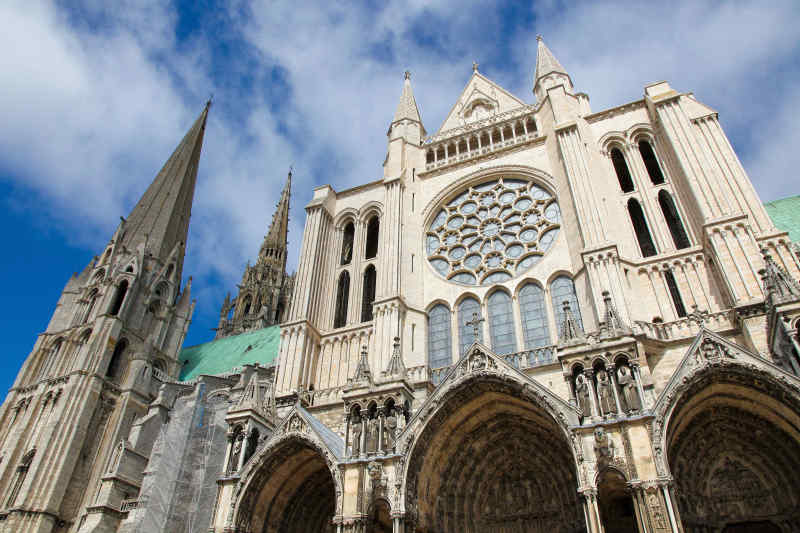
(534, 316)
(501, 323)
(466, 334)
(563, 289)
(439, 351)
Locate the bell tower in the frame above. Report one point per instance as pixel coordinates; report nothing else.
(113, 338)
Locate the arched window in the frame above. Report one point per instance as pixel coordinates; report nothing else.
(651, 163)
(119, 297)
(90, 305)
(347, 243)
(439, 350)
(252, 444)
(369, 294)
(501, 323)
(679, 236)
(115, 364)
(342, 298)
(646, 244)
(675, 293)
(466, 333)
(621, 168)
(534, 316)
(562, 289)
(373, 229)
(22, 472)
(248, 302)
(50, 358)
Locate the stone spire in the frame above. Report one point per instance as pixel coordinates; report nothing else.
(276, 237)
(396, 366)
(779, 286)
(160, 220)
(612, 323)
(549, 72)
(571, 331)
(407, 110)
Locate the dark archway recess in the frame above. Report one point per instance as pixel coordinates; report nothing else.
(735, 461)
(621, 168)
(380, 520)
(493, 461)
(673, 220)
(292, 491)
(651, 163)
(373, 231)
(616, 505)
(646, 244)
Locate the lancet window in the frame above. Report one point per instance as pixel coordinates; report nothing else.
(646, 244)
(348, 236)
(439, 347)
(675, 293)
(342, 297)
(369, 294)
(673, 220)
(534, 316)
(466, 333)
(373, 230)
(501, 323)
(119, 297)
(115, 364)
(562, 289)
(651, 163)
(621, 168)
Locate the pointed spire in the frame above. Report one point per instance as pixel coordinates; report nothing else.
(161, 218)
(612, 323)
(396, 366)
(407, 108)
(363, 373)
(779, 286)
(279, 227)
(547, 64)
(570, 329)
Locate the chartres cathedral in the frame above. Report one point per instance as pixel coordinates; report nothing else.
(539, 318)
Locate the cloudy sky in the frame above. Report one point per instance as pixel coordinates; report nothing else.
(94, 96)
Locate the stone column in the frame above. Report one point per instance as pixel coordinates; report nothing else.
(397, 525)
(573, 399)
(363, 449)
(640, 507)
(638, 378)
(348, 447)
(612, 371)
(670, 512)
(589, 374)
(379, 448)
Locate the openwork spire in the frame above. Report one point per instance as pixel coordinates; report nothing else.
(396, 366)
(571, 331)
(279, 227)
(161, 218)
(779, 286)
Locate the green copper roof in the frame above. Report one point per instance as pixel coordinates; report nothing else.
(785, 214)
(222, 355)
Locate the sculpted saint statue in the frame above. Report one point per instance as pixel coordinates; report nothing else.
(390, 430)
(629, 392)
(606, 394)
(356, 438)
(582, 393)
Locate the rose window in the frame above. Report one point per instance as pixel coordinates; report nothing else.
(493, 231)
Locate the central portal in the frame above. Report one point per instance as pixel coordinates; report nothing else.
(496, 463)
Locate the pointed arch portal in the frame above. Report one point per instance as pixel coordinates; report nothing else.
(734, 452)
(490, 460)
(292, 491)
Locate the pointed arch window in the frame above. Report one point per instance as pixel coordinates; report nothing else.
(501, 323)
(50, 358)
(651, 163)
(369, 294)
(119, 297)
(439, 347)
(347, 243)
(675, 293)
(92, 300)
(248, 303)
(534, 316)
(646, 244)
(621, 168)
(19, 478)
(115, 364)
(466, 334)
(373, 231)
(673, 220)
(562, 289)
(342, 297)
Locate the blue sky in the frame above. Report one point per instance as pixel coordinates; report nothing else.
(95, 95)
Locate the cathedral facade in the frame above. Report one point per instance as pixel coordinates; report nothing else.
(541, 318)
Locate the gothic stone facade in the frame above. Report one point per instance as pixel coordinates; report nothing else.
(541, 318)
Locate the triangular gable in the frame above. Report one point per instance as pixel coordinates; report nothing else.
(301, 421)
(478, 358)
(708, 349)
(479, 91)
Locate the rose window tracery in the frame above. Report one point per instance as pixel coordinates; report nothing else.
(493, 231)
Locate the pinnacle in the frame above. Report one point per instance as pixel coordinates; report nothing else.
(160, 219)
(407, 108)
(546, 62)
(279, 227)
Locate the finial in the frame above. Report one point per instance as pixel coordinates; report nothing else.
(210, 100)
(407, 74)
(539, 37)
(474, 66)
(291, 169)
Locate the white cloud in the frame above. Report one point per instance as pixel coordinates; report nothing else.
(94, 98)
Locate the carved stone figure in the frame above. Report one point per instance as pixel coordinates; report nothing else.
(606, 394)
(233, 465)
(629, 393)
(390, 430)
(603, 446)
(356, 435)
(372, 435)
(582, 393)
